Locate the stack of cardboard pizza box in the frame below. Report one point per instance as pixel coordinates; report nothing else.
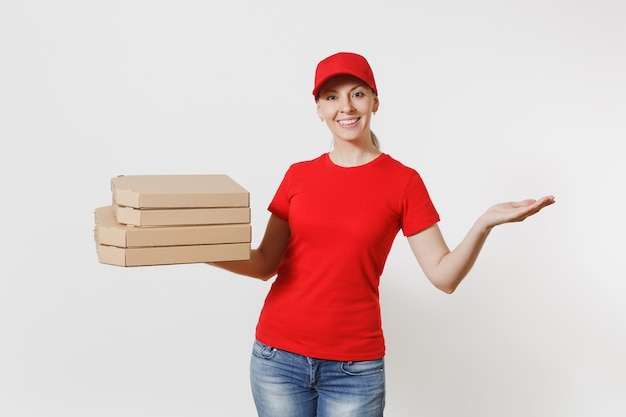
(173, 219)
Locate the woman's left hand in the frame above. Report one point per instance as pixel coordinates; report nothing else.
(515, 211)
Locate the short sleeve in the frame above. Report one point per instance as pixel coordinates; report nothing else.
(280, 203)
(418, 209)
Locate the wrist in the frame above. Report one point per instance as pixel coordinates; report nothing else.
(483, 225)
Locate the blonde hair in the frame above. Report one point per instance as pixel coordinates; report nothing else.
(375, 140)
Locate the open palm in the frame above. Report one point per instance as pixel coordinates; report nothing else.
(515, 211)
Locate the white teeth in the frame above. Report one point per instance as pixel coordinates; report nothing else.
(347, 122)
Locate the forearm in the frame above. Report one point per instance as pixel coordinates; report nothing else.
(454, 266)
(255, 267)
(264, 260)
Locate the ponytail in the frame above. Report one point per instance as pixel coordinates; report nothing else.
(375, 140)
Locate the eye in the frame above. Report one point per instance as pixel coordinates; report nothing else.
(331, 97)
(359, 94)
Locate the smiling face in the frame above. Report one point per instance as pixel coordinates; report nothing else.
(346, 104)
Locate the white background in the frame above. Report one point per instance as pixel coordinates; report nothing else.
(490, 101)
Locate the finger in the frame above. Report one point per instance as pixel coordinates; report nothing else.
(545, 201)
(524, 203)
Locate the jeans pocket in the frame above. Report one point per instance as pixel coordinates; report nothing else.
(263, 351)
(363, 368)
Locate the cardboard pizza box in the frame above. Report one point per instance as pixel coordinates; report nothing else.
(170, 255)
(178, 191)
(109, 232)
(181, 216)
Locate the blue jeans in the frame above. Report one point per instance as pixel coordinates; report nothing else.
(285, 384)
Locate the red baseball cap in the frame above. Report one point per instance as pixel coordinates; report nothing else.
(343, 63)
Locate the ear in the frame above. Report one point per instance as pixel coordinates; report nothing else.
(376, 104)
(319, 112)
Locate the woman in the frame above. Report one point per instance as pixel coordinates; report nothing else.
(319, 348)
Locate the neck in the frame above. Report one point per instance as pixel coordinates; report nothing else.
(350, 155)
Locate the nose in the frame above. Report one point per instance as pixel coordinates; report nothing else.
(346, 105)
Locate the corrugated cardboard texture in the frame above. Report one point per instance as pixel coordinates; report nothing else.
(169, 255)
(178, 191)
(181, 216)
(109, 232)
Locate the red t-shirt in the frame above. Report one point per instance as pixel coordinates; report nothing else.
(324, 302)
